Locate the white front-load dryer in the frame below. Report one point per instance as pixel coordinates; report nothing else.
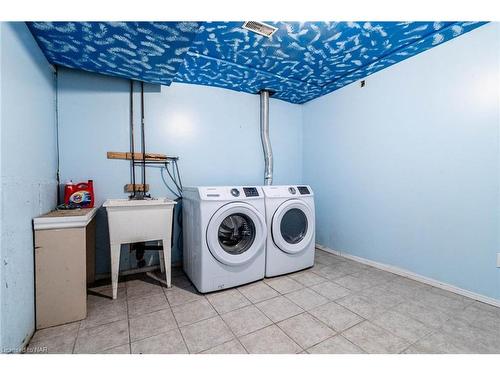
(224, 232)
(290, 228)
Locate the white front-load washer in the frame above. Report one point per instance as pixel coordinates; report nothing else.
(290, 228)
(224, 232)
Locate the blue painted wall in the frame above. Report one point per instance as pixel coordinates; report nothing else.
(28, 173)
(215, 132)
(406, 170)
(2, 280)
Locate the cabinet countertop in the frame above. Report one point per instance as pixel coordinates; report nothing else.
(60, 219)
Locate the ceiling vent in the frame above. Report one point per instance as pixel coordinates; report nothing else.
(260, 28)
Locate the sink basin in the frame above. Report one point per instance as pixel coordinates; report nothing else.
(137, 203)
(139, 221)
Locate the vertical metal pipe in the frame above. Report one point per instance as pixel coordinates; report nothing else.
(143, 141)
(56, 115)
(132, 146)
(264, 135)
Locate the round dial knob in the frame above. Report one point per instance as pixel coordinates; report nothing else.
(235, 192)
(292, 190)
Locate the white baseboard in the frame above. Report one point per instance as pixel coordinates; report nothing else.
(328, 250)
(414, 276)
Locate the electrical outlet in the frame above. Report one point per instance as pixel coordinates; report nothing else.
(498, 260)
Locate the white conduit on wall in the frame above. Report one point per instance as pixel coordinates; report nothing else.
(264, 135)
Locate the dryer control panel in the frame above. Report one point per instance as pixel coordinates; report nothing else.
(292, 191)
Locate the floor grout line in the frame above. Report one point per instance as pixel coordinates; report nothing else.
(292, 316)
(335, 335)
(279, 321)
(280, 293)
(220, 316)
(177, 323)
(196, 321)
(76, 337)
(356, 345)
(287, 335)
(307, 310)
(432, 332)
(128, 321)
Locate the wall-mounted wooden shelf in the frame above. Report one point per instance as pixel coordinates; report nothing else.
(152, 159)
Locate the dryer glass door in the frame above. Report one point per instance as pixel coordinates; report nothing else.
(236, 233)
(293, 226)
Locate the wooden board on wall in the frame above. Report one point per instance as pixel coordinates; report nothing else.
(137, 156)
(129, 188)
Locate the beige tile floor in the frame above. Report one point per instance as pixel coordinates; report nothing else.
(338, 306)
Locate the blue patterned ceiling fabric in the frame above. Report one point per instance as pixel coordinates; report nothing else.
(300, 62)
(146, 51)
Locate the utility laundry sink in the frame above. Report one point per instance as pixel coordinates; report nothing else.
(132, 221)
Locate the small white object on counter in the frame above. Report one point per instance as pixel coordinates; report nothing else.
(139, 221)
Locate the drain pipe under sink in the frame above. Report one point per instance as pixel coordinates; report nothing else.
(264, 135)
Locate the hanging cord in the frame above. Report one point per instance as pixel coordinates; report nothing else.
(174, 179)
(179, 224)
(178, 175)
(174, 176)
(166, 183)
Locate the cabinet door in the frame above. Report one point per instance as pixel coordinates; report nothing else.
(60, 276)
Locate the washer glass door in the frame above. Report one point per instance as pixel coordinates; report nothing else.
(236, 233)
(292, 226)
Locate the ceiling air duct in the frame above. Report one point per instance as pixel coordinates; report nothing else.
(264, 135)
(260, 28)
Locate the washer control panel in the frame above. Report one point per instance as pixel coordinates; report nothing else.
(251, 192)
(226, 193)
(303, 190)
(292, 190)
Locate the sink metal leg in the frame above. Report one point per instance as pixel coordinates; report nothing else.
(167, 261)
(115, 267)
(162, 263)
